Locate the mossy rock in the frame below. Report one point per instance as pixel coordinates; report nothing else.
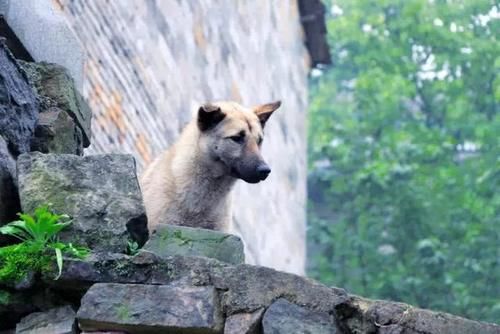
(56, 88)
(100, 193)
(168, 240)
(20, 263)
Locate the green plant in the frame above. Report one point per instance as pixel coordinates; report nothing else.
(132, 247)
(38, 233)
(16, 261)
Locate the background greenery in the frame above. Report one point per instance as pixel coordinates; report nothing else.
(404, 151)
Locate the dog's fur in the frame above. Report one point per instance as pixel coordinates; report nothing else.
(189, 184)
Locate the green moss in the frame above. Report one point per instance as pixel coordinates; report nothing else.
(17, 261)
(123, 312)
(182, 239)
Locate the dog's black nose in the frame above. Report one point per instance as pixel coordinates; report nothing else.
(263, 171)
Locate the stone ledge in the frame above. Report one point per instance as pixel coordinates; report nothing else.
(151, 309)
(361, 315)
(143, 268)
(244, 288)
(168, 240)
(247, 289)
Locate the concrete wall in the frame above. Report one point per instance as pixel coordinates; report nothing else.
(150, 63)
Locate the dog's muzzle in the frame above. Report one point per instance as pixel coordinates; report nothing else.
(263, 171)
(260, 173)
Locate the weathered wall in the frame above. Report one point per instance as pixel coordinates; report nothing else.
(150, 63)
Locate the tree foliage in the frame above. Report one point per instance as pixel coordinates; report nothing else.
(404, 150)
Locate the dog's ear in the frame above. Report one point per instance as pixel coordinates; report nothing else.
(209, 116)
(264, 111)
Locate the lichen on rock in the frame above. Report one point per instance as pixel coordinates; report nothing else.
(168, 240)
(100, 193)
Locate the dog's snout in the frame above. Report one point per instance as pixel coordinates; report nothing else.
(263, 171)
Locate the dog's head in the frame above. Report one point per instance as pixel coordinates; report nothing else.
(232, 135)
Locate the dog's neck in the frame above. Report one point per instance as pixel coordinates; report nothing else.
(211, 172)
(200, 173)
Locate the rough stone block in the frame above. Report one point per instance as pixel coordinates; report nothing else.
(57, 89)
(101, 194)
(283, 317)
(56, 132)
(244, 323)
(361, 315)
(143, 268)
(248, 288)
(59, 320)
(168, 240)
(141, 309)
(18, 104)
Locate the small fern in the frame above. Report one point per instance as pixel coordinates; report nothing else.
(38, 235)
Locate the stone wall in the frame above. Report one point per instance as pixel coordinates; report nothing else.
(150, 63)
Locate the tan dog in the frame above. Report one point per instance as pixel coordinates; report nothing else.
(189, 184)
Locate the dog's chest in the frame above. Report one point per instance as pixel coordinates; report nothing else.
(203, 203)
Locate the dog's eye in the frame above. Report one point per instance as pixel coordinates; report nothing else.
(259, 141)
(239, 138)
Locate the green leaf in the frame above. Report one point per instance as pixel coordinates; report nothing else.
(15, 232)
(59, 261)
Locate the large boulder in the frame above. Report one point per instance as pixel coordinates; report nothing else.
(168, 240)
(101, 194)
(283, 317)
(138, 308)
(60, 320)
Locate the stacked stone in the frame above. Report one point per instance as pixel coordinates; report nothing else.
(18, 118)
(147, 293)
(40, 110)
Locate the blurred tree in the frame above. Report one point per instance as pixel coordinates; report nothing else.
(404, 154)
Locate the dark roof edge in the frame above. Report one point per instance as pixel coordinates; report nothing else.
(312, 17)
